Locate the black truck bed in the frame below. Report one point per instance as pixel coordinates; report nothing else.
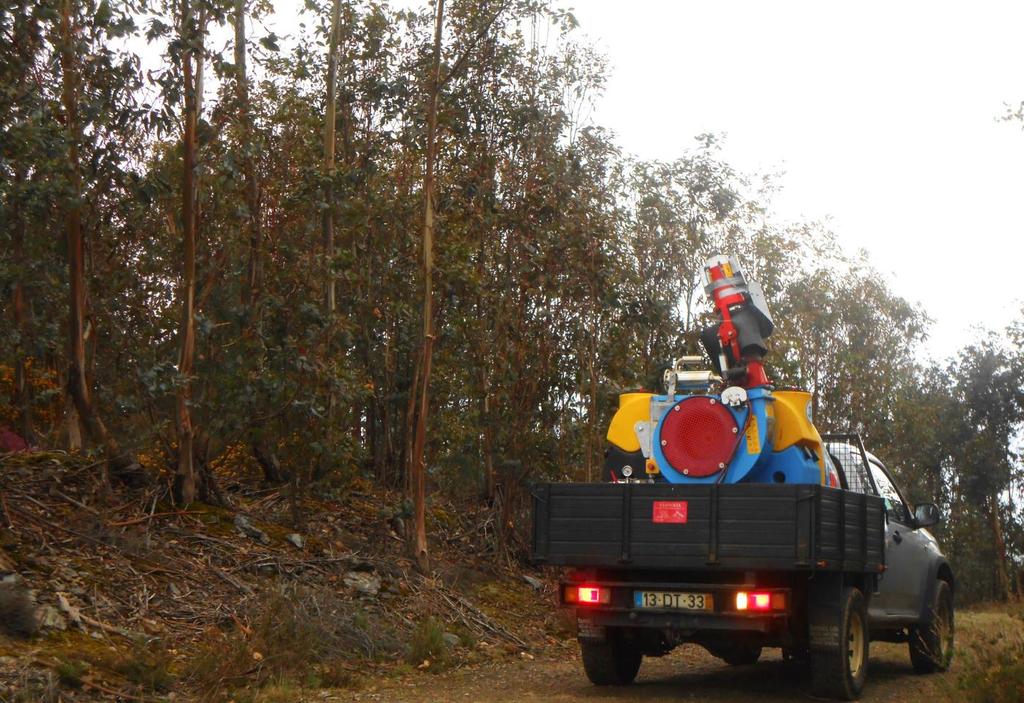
(727, 526)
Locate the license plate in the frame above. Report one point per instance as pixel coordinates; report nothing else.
(672, 600)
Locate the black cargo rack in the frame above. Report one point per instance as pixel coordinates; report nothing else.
(726, 526)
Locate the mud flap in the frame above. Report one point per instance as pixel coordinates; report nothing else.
(824, 612)
(587, 631)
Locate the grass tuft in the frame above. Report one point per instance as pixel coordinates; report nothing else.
(70, 673)
(148, 668)
(427, 644)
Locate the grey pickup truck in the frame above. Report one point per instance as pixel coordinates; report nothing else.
(818, 571)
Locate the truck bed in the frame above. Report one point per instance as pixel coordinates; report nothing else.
(728, 526)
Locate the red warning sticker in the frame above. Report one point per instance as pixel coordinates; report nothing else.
(670, 511)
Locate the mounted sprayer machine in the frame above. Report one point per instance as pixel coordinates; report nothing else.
(746, 433)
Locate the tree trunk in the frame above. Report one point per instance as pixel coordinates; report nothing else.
(268, 461)
(328, 174)
(261, 450)
(70, 430)
(119, 463)
(19, 305)
(488, 437)
(1002, 572)
(184, 478)
(254, 276)
(408, 438)
(419, 439)
(330, 287)
(591, 443)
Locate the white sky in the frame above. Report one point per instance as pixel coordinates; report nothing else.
(883, 116)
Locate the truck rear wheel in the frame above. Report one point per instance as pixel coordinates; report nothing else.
(614, 662)
(931, 643)
(839, 648)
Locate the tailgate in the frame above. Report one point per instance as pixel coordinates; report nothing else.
(687, 526)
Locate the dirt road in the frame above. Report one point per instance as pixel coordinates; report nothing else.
(688, 674)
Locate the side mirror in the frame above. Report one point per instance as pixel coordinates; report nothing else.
(926, 514)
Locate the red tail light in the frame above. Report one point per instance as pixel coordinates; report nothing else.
(760, 600)
(587, 595)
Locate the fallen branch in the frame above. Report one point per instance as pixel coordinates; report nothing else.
(471, 616)
(112, 692)
(244, 587)
(144, 518)
(78, 503)
(75, 616)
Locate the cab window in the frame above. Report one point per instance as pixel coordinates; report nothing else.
(849, 462)
(894, 507)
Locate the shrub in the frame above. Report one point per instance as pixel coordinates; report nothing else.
(299, 634)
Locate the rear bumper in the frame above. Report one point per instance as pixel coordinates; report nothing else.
(620, 609)
(593, 617)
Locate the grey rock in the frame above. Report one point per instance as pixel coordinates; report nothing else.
(537, 584)
(363, 583)
(296, 539)
(39, 563)
(49, 618)
(451, 640)
(246, 528)
(17, 610)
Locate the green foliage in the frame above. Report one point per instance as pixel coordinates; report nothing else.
(992, 666)
(70, 673)
(427, 645)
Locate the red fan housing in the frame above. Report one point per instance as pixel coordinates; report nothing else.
(699, 436)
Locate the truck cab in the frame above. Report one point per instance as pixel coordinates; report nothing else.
(915, 564)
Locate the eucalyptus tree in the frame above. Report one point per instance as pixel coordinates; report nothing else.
(991, 414)
(330, 128)
(247, 148)
(29, 138)
(418, 468)
(182, 79)
(84, 131)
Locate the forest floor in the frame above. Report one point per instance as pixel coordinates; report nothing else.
(123, 597)
(690, 673)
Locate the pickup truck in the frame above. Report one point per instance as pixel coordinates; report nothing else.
(816, 570)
